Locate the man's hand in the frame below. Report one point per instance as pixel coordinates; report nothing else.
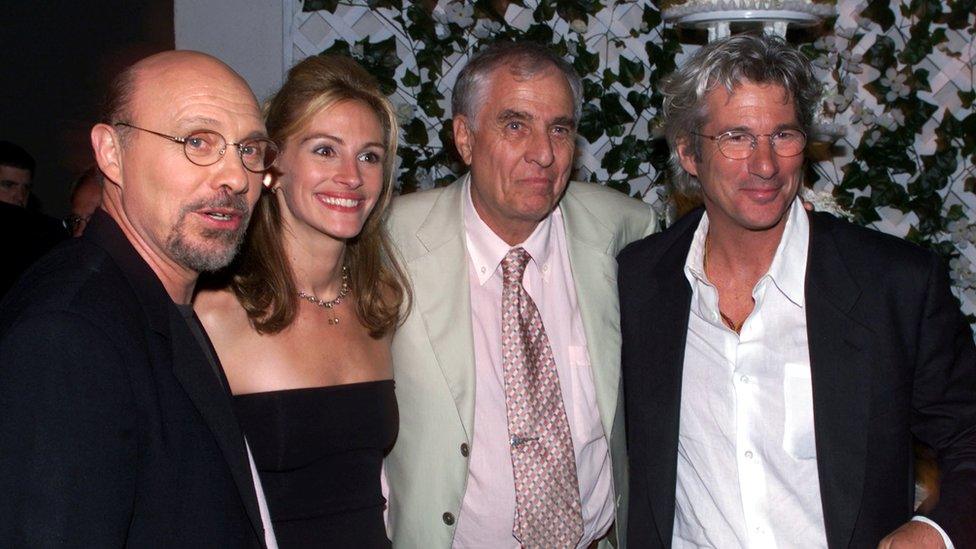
(913, 535)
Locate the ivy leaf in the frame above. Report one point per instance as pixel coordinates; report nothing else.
(410, 79)
(622, 186)
(967, 98)
(428, 101)
(955, 212)
(451, 155)
(591, 89)
(630, 71)
(886, 192)
(339, 47)
(415, 132)
(926, 11)
(917, 114)
(881, 54)
(939, 168)
(381, 60)
(316, 5)
(929, 211)
(586, 62)
(959, 11)
(539, 33)
(854, 177)
(969, 133)
(544, 12)
(864, 211)
(569, 10)
(651, 17)
(875, 88)
(422, 24)
(613, 112)
(970, 184)
(880, 12)
(919, 80)
(639, 101)
(591, 123)
(918, 46)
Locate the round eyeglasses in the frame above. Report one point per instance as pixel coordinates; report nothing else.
(739, 145)
(206, 147)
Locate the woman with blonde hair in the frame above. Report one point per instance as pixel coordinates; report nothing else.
(303, 324)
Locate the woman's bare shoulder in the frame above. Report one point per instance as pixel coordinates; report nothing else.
(219, 309)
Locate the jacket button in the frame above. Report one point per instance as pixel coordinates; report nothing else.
(448, 519)
(465, 450)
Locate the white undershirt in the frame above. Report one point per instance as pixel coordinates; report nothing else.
(488, 508)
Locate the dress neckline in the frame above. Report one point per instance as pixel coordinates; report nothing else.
(322, 389)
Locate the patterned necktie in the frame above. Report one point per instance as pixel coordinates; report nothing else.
(547, 500)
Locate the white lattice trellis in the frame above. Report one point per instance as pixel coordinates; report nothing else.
(617, 31)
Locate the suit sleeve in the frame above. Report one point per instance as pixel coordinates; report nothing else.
(944, 406)
(67, 447)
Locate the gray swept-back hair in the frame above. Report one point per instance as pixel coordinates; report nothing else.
(523, 59)
(761, 59)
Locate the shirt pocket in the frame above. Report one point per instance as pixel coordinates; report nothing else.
(799, 440)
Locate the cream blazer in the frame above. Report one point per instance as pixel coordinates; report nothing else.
(433, 352)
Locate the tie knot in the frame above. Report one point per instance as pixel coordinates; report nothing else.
(513, 266)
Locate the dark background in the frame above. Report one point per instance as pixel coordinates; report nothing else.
(56, 58)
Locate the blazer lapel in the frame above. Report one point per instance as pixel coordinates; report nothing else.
(664, 331)
(841, 372)
(590, 246)
(204, 388)
(190, 365)
(444, 300)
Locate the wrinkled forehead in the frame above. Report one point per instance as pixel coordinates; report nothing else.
(195, 94)
(720, 99)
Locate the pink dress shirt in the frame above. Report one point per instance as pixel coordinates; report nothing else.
(488, 508)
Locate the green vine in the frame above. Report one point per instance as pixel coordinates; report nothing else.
(904, 149)
(618, 100)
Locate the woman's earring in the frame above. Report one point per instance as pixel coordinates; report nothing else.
(268, 183)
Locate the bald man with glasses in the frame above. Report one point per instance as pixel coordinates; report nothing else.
(116, 425)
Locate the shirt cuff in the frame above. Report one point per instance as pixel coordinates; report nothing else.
(930, 522)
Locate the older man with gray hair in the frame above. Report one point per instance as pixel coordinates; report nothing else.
(778, 364)
(507, 369)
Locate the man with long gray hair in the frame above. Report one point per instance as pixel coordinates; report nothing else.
(779, 364)
(507, 368)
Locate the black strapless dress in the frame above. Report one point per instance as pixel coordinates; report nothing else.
(318, 452)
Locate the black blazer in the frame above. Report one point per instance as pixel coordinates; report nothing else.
(27, 236)
(891, 357)
(115, 430)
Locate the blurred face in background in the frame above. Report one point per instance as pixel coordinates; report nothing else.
(15, 184)
(84, 201)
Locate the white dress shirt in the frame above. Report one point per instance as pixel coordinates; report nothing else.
(488, 508)
(269, 535)
(747, 461)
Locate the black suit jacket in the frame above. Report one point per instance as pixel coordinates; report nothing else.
(27, 236)
(891, 357)
(115, 430)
